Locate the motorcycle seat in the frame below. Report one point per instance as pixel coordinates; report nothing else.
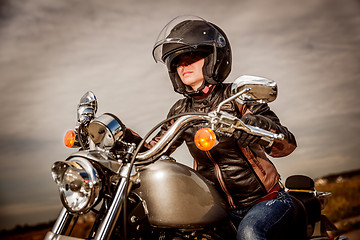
(302, 188)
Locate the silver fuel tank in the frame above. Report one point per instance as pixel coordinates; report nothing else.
(175, 196)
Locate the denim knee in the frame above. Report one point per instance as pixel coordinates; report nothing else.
(250, 231)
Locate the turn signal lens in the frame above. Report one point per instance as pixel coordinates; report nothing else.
(205, 139)
(69, 138)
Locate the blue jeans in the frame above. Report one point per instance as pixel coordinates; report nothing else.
(265, 218)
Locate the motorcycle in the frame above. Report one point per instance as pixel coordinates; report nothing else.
(136, 194)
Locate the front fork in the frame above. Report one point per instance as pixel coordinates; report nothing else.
(105, 229)
(62, 222)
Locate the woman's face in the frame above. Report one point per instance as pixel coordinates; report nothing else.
(189, 67)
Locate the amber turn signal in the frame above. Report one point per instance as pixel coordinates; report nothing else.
(69, 138)
(205, 139)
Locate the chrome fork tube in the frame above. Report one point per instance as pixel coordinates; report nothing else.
(62, 222)
(108, 223)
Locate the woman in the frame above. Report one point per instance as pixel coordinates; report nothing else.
(198, 57)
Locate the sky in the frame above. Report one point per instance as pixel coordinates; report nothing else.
(52, 52)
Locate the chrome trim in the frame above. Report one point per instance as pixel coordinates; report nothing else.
(80, 165)
(263, 90)
(214, 118)
(108, 223)
(105, 130)
(160, 146)
(53, 236)
(324, 198)
(87, 107)
(232, 98)
(62, 221)
(100, 156)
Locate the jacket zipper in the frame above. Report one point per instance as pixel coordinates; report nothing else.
(221, 180)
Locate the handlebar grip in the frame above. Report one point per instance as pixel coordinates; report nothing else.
(267, 142)
(267, 137)
(263, 133)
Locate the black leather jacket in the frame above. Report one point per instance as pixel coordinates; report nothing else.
(242, 175)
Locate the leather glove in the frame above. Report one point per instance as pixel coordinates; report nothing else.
(243, 138)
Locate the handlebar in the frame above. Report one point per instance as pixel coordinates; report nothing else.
(219, 121)
(163, 144)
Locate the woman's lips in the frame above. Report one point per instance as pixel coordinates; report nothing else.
(186, 73)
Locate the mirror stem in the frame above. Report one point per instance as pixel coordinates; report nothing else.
(232, 98)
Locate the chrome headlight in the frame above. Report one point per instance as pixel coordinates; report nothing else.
(78, 183)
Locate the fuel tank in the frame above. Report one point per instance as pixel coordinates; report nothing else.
(176, 196)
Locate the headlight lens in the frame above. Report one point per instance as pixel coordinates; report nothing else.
(78, 183)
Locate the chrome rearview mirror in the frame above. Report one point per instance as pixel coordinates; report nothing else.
(87, 107)
(254, 89)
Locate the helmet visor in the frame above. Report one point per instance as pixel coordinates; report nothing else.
(186, 32)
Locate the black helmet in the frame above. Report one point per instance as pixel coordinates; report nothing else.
(190, 33)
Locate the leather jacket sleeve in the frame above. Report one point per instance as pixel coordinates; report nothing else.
(279, 148)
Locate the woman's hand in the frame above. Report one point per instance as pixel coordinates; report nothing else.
(245, 139)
